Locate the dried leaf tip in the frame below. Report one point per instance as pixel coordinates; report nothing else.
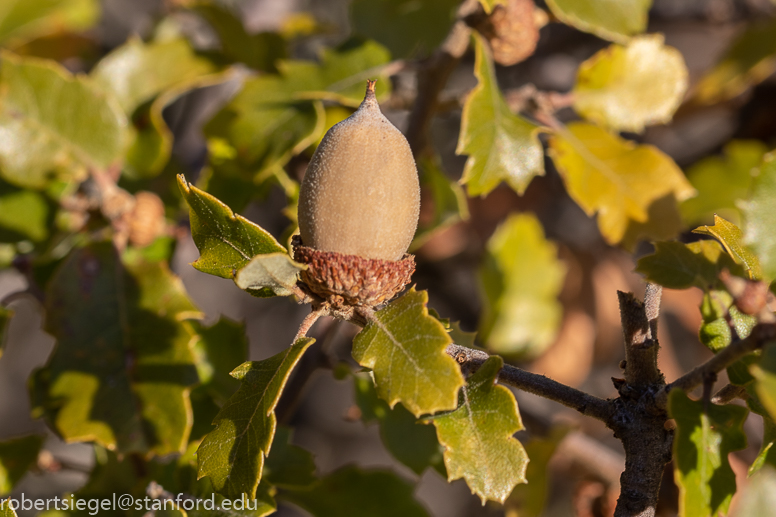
(370, 86)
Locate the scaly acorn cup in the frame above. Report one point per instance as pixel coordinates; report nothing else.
(358, 211)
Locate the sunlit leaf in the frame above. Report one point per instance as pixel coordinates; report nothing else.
(410, 442)
(22, 20)
(760, 216)
(24, 214)
(501, 146)
(767, 454)
(723, 180)
(731, 238)
(765, 373)
(749, 60)
(477, 436)
(259, 51)
(705, 435)
(288, 466)
(221, 348)
(719, 312)
(609, 19)
(16, 458)
(38, 137)
(103, 312)
(520, 278)
(352, 491)
(759, 496)
(406, 27)
(679, 266)
(226, 241)
(629, 87)
(273, 271)
(232, 455)
(405, 348)
(617, 179)
(5, 508)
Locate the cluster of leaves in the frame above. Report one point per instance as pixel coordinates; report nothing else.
(88, 190)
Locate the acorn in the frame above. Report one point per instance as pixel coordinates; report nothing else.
(358, 211)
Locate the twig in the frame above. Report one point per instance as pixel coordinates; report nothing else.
(309, 321)
(728, 393)
(639, 327)
(537, 384)
(760, 335)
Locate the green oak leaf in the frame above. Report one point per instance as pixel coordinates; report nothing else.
(24, 214)
(676, 265)
(765, 374)
(5, 320)
(352, 491)
(123, 366)
(288, 466)
(705, 435)
(23, 20)
(759, 496)
(477, 436)
(410, 442)
(767, 453)
(501, 146)
(221, 348)
(760, 216)
(16, 458)
(6, 510)
(406, 27)
(628, 87)
(38, 140)
(619, 180)
(731, 238)
(405, 348)
(614, 20)
(748, 61)
(273, 271)
(520, 278)
(723, 180)
(226, 241)
(232, 455)
(716, 307)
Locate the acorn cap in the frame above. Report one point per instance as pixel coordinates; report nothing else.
(351, 280)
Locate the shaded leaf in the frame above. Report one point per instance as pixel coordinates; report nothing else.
(24, 214)
(501, 146)
(405, 348)
(288, 466)
(38, 138)
(749, 60)
(410, 442)
(765, 373)
(5, 319)
(759, 496)
(136, 72)
(705, 435)
(477, 436)
(723, 180)
(676, 265)
(221, 348)
(406, 27)
(717, 306)
(767, 454)
(27, 19)
(520, 278)
(609, 19)
(273, 271)
(616, 178)
(629, 87)
(232, 455)
(16, 458)
(461, 337)
(258, 51)
(731, 238)
(760, 216)
(226, 241)
(352, 491)
(122, 368)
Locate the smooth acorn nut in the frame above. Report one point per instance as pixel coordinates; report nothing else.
(358, 211)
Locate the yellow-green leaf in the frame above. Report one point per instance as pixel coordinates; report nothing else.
(39, 138)
(521, 278)
(501, 146)
(22, 20)
(614, 20)
(477, 436)
(731, 238)
(619, 180)
(24, 214)
(705, 435)
(628, 87)
(760, 216)
(765, 373)
(232, 455)
(676, 265)
(721, 181)
(226, 241)
(5, 508)
(405, 348)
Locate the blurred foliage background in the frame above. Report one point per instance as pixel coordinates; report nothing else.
(235, 95)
